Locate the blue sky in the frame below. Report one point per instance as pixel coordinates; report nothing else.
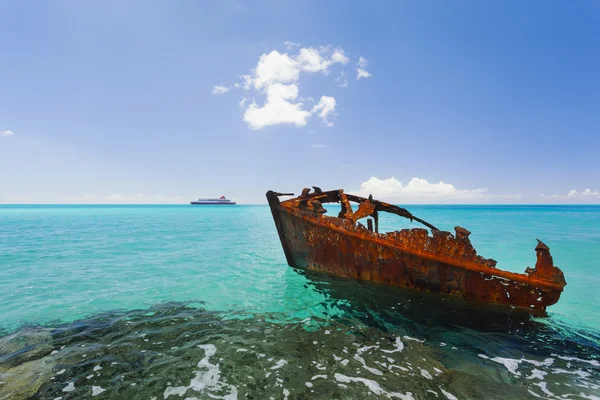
(111, 101)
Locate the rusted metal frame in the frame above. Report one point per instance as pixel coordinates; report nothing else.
(401, 212)
(347, 212)
(277, 194)
(335, 196)
(320, 195)
(520, 278)
(392, 209)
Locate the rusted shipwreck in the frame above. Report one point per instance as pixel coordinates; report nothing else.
(411, 258)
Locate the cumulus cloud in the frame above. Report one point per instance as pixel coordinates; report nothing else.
(278, 109)
(585, 193)
(325, 108)
(276, 78)
(220, 89)
(6, 133)
(318, 146)
(393, 189)
(361, 71)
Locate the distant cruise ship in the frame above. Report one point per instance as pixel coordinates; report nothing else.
(220, 200)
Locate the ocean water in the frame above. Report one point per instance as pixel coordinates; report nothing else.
(174, 302)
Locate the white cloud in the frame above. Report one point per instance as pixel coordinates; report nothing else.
(310, 60)
(6, 133)
(361, 71)
(220, 89)
(273, 68)
(318, 146)
(278, 108)
(393, 189)
(277, 67)
(339, 57)
(344, 84)
(277, 77)
(291, 45)
(325, 107)
(585, 193)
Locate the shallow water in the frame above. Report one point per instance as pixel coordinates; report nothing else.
(175, 302)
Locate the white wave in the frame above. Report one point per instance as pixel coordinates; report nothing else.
(537, 374)
(206, 379)
(510, 363)
(398, 346)
(363, 362)
(595, 363)
(399, 367)
(546, 363)
(69, 388)
(414, 339)
(373, 387)
(579, 372)
(96, 390)
(426, 374)
(279, 364)
(448, 395)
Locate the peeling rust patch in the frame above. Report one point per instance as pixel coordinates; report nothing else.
(442, 262)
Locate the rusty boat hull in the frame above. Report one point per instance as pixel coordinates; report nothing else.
(442, 262)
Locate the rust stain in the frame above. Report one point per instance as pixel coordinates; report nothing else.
(442, 262)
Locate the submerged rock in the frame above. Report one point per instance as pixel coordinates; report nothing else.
(24, 381)
(25, 345)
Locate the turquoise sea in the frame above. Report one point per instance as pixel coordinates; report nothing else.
(174, 302)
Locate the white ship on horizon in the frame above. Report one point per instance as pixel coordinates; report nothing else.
(207, 200)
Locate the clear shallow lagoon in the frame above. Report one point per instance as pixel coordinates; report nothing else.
(184, 301)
